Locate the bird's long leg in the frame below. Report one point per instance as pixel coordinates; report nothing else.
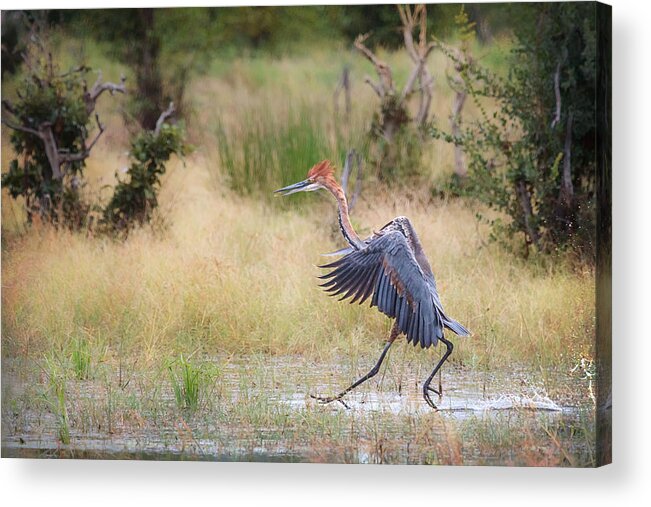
(440, 384)
(426, 387)
(372, 373)
(439, 391)
(395, 331)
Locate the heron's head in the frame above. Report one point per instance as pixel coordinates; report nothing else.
(320, 176)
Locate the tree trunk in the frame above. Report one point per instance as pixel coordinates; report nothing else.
(527, 213)
(567, 189)
(148, 74)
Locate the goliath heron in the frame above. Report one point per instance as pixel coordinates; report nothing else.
(391, 266)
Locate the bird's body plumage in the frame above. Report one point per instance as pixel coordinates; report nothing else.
(391, 268)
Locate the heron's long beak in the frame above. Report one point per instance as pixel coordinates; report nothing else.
(301, 186)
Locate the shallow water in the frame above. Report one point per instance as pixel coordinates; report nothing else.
(260, 409)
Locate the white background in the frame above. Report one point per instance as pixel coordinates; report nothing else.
(626, 482)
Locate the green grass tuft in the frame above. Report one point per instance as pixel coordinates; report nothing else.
(81, 359)
(190, 381)
(56, 396)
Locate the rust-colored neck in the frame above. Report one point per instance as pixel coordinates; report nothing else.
(344, 219)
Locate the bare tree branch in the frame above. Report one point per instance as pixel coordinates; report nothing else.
(407, 32)
(56, 157)
(358, 182)
(99, 87)
(90, 97)
(79, 68)
(44, 133)
(457, 84)
(460, 168)
(101, 129)
(557, 92)
(411, 81)
(359, 44)
(428, 81)
(9, 107)
(85, 153)
(343, 84)
(21, 128)
(395, 110)
(525, 203)
(402, 14)
(407, 27)
(427, 84)
(382, 69)
(567, 189)
(352, 157)
(376, 87)
(421, 10)
(51, 150)
(419, 56)
(416, 73)
(164, 116)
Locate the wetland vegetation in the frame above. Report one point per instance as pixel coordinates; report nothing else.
(202, 334)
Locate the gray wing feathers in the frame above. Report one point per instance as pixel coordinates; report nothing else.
(455, 327)
(343, 251)
(387, 269)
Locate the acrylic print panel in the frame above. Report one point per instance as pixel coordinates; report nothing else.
(171, 179)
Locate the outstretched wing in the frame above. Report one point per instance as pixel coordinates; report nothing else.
(387, 269)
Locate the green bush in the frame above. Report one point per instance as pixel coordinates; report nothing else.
(135, 198)
(531, 153)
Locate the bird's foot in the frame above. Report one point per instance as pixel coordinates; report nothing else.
(428, 398)
(438, 392)
(324, 400)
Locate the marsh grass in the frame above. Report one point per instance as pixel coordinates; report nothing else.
(190, 381)
(58, 385)
(55, 396)
(250, 412)
(270, 152)
(81, 359)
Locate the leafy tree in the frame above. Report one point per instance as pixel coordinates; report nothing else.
(51, 123)
(531, 154)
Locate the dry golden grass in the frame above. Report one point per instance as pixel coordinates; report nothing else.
(238, 275)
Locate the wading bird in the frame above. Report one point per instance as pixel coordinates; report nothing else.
(391, 266)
